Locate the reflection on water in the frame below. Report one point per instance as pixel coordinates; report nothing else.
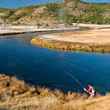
(52, 68)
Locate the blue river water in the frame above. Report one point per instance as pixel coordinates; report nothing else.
(52, 68)
(97, 1)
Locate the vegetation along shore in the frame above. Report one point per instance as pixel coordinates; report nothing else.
(96, 40)
(17, 95)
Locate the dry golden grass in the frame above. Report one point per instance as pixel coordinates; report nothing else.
(70, 46)
(37, 102)
(37, 98)
(94, 40)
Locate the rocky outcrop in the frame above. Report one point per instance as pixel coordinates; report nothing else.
(78, 11)
(41, 15)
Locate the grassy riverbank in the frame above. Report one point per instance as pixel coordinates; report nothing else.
(69, 46)
(88, 40)
(17, 95)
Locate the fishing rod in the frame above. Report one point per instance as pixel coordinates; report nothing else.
(71, 76)
(75, 79)
(80, 84)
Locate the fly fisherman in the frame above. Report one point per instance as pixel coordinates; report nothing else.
(90, 90)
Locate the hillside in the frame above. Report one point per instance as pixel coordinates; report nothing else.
(77, 11)
(41, 15)
(17, 95)
(54, 13)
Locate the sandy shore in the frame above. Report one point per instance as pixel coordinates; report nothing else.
(95, 40)
(25, 29)
(97, 36)
(13, 29)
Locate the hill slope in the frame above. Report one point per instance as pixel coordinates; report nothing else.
(17, 95)
(41, 15)
(77, 11)
(52, 14)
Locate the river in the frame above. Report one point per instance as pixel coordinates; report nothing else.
(52, 68)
